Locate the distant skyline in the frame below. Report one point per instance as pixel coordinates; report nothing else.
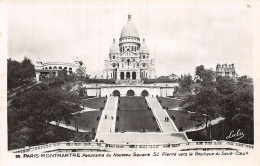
(180, 35)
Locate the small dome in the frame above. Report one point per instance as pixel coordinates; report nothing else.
(114, 48)
(144, 48)
(129, 29)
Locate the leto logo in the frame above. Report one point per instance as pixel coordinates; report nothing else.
(237, 135)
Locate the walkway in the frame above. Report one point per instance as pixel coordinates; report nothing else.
(160, 115)
(145, 138)
(68, 127)
(86, 109)
(213, 122)
(107, 123)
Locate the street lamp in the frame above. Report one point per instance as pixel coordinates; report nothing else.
(166, 90)
(96, 89)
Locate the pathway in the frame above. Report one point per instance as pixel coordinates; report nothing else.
(68, 127)
(160, 115)
(107, 123)
(213, 122)
(145, 138)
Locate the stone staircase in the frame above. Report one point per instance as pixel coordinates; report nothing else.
(160, 114)
(107, 121)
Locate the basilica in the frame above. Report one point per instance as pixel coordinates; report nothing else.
(130, 59)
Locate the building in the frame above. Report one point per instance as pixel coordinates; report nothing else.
(226, 70)
(44, 70)
(171, 77)
(130, 59)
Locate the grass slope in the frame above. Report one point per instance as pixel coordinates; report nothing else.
(136, 120)
(168, 102)
(95, 103)
(88, 120)
(132, 103)
(134, 115)
(182, 119)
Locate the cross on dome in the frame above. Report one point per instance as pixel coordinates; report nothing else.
(129, 16)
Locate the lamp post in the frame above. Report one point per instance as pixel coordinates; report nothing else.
(75, 120)
(166, 90)
(96, 89)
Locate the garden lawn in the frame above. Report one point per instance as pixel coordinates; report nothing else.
(132, 103)
(168, 102)
(88, 120)
(95, 103)
(136, 120)
(134, 115)
(182, 119)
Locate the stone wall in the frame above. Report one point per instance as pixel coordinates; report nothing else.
(103, 91)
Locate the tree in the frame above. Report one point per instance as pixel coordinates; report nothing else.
(19, 72)
(51, 104)
(206, 76)
(237, 102)
(199, 71)
(176, 89)
(225, 85)
(61, 78)
(28, 69)
(204, 104)
(244, 82)
(185, 83)
(30, 114)
(13, 73)
(82, 92)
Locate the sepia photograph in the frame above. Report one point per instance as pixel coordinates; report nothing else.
(119, 79)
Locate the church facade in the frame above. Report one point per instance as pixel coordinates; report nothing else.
(130, 59)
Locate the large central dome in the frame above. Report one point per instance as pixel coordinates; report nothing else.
(129, 29)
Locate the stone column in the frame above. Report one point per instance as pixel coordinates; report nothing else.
(138, 75)
(118, 75)
(37, 76)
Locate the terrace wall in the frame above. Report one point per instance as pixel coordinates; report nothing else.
(102, 91)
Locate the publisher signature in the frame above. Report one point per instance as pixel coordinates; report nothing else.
(234, 134)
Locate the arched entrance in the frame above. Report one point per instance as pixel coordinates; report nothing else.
(144, 93)
(122, 75)
(128, 75)
(116, 93)
(130, 93)
(134, 75)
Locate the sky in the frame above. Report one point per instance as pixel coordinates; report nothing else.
(180, 35)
